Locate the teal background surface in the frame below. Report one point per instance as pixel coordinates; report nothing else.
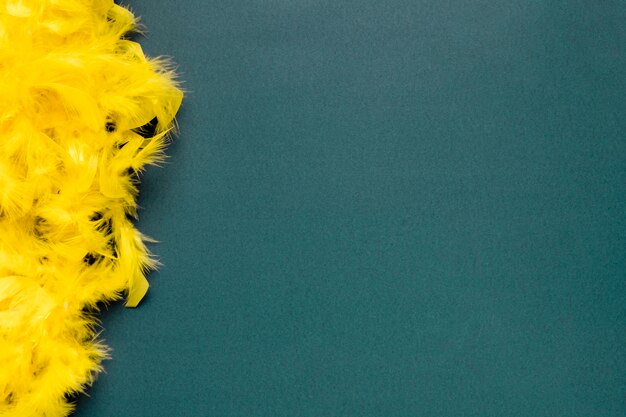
(383, 208)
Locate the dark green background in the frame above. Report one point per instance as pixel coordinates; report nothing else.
(383, 208)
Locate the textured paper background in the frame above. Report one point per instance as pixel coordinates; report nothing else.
(383, 208)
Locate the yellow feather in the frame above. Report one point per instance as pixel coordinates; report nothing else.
(78, 107)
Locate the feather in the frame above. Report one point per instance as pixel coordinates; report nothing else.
(82, 112)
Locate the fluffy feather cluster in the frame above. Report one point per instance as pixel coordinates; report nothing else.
(82, 110)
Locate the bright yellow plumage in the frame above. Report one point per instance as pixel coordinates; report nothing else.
(81, 112)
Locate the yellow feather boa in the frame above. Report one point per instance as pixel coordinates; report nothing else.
(82, 111)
